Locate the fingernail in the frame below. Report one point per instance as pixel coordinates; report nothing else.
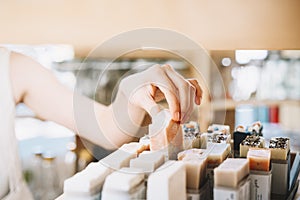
(177, 116)
(197, 101)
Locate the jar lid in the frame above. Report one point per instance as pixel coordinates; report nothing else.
(48, 156)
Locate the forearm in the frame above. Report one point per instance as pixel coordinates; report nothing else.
(126, 118)
(107, 126)
(50, 100)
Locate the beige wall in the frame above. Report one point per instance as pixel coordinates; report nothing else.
(232, 24)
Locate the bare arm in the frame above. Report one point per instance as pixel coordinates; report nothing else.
(38, 88)
(50, 100)
(107, 126)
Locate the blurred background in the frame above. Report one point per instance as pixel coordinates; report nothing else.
(251, 71)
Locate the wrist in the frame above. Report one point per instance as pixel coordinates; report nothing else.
(128, 116)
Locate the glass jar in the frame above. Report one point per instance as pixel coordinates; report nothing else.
(36, 167)
(50, 177)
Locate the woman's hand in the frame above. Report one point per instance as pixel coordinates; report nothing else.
(146, 88)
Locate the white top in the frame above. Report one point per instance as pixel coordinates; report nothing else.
(12, 185)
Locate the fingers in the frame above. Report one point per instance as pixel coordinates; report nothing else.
(189, 109)
(159, 96)
(151, 106)
(172, 100)
(143, 97)
(187, 92)
(166, 86)
(199, 92)
(164, 82)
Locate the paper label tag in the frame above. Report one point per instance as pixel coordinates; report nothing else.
(225, 193)
(260, 186)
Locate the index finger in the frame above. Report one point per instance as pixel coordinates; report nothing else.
(172, 100)
(199, 91)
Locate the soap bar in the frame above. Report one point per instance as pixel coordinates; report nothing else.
(145, 140)
(197, 142)
(222, 138)
(200, 153)
(195, 171)
(148, 161)
(191, 127)
(191, 135)
(214, 137)
(121, 157)
(217, 133)
(241, 192)
(165, 134)
(217, 153)
(118, 159)
(135, 147)
(167, 182)
(231, 172)
(87, 182)
(259, 159)
(255, 128)
(195, 161)
(238, 137)
(279, 147)
(188, 141)
(123, 184)
(250, 141)
(225, 129)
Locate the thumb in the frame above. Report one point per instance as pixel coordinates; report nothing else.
(150, 106)
(148, 103)
(144, 97)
